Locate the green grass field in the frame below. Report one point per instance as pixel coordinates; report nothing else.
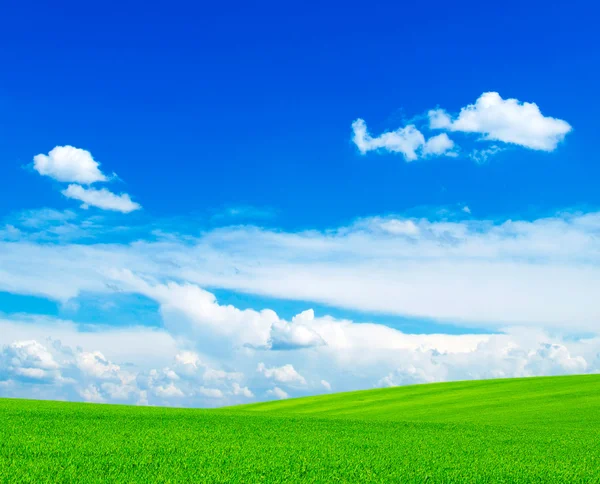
(518, 430)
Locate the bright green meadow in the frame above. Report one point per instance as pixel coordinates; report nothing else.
(514, 430)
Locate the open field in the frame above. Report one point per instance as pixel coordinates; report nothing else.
(518, 430)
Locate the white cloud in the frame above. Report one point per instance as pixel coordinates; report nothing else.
(136, 345)
(395, 226)
(188, 309)
(53, 370)
(168, 391)
(69, 164)
(506, 120)
(97, 365)
(540, 272)
(503, 356)
(190, 364)
(296, 335)
(102, 198)
(408, 141)
(28, 361)
(482, 155)
(439, 145)
(211, 392)
(439, 119)
(240, 390)
(278, 393)
(76, 166)
(283, 374)
(356, 356)
(92, 394)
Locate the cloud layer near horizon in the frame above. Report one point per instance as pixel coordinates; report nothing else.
(542, 275)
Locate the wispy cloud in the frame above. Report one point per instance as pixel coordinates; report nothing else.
(479, 272)
(103, 198)
(482, 155)
(408, 141)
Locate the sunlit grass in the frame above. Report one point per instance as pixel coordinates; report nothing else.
(536, 429)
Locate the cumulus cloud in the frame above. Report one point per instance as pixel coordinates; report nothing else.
(357, 355)
(189, 309)
(189, 364)
(237, 389)
(284, 374)
(68, 372)
(439, 145)
(78, 167)
(294, 335)
(408, 141)
(75, 374)
(97, 365)
(502, 356)
(28, 361)
(226, 328)
(168, 391)
(210, 392)
(278, 393)
(102, 198)
(69, 164)
(506, 120)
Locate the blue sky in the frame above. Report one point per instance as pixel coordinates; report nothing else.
(255, 107)
(216, 156)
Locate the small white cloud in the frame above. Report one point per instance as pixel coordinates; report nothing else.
(506, 120)
(168, 391)
(439, 145)
(240, 390)
(278, 393)
(103, 199)
(69, 164)
(466, 209)
(408, 141)
(210, 392)
(326, 384)
(481, 156)
(283, 374)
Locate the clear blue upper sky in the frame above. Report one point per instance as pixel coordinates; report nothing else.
(200, 105)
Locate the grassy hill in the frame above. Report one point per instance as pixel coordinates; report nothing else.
(521, 430)
(567, 400)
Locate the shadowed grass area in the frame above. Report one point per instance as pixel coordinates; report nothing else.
(518, 430)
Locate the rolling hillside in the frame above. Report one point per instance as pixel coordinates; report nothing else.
(570, 400)
(522, 430)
